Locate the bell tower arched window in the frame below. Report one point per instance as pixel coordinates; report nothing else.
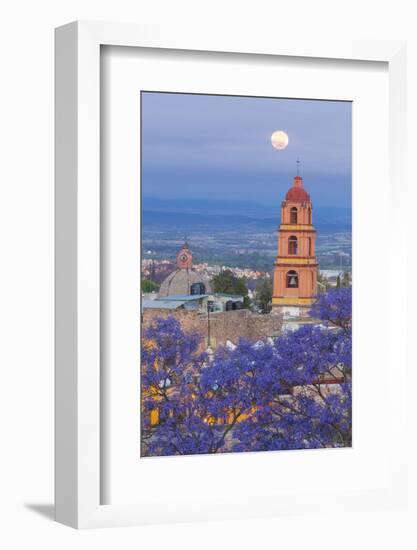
(292, 245)
(292, 279)
(293, 215)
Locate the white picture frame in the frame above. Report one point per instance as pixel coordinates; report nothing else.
(78, 501)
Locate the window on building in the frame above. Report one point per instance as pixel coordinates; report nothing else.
(292, 279)
(309, 216)
(197, 288)
(309, 246)
(293, 215)
(292, 245)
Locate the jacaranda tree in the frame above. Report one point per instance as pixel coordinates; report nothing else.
(293, 393)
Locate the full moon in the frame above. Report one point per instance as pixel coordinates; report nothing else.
(279, 139)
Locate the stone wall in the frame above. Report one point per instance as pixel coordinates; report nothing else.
(224, 326)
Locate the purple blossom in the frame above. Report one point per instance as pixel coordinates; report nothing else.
(255, 397)
(334, 308)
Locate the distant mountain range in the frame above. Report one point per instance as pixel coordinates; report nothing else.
(211, 206)
(190, 214)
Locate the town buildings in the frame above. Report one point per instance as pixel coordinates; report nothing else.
(188, 289)
(220, 318)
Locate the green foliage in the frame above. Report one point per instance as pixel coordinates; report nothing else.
(263, 295)
(149, 286)
(323, 283)
(346, 280)
(246, 302)
(227, 283)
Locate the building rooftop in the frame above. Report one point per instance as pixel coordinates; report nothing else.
(161, 304)
(192, 297)
(184, 297)
(297, 193)
(225, 295)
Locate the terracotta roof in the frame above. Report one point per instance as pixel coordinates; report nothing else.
(297, 193)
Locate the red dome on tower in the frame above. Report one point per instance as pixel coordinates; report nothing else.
(297, 193)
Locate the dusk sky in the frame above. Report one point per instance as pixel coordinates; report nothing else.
(218, 147)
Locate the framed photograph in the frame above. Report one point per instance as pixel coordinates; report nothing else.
(225, 333)
(246, 334)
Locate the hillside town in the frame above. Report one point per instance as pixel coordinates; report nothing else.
(225, 303)
(226, 367)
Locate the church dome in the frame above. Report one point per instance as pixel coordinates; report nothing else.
(180, 281)
(297, 193)
(184, 280)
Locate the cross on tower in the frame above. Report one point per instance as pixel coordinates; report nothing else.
(298, 166)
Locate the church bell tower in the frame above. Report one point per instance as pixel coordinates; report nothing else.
(295, 267)
(185, 257)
